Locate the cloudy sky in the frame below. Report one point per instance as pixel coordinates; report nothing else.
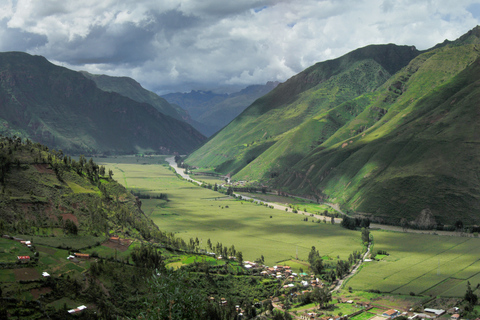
(180, 45)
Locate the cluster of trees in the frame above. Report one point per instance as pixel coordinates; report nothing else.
(161, 196)
(219, 249)
(354, 223)
(147, 256)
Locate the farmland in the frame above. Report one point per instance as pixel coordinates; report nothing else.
(255, 230)
(416, 263)
(421, 264)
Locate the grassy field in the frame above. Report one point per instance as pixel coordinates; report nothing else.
(255, 230)
(417, 263)
(421, 264)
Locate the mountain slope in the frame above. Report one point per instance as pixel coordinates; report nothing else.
(402, 151)
(65, 110)
(42, 189)
(422, 157)
(211, 111)
(268, 121)
(130, 88)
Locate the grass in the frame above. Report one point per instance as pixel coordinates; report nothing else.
(73, 242)
(421, 264)
(363, 316)
(253, 229)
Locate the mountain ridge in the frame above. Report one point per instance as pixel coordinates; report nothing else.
(355, 151)
(63, 109)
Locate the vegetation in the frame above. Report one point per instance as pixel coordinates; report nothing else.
(387, 135)
(62, 109)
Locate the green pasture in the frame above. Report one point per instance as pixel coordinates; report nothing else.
(255, 230)
(73, 242)
(363, 316)
(182, 260)
(10, 249)
(421, 264)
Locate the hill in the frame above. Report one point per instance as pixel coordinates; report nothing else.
(72, 236)
(63, 109)
(42, 189)
(130, 88)
(384, 131)
(211, 111)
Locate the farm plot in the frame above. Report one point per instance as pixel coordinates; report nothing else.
(26, 274)
(422, 264)
(255, 230)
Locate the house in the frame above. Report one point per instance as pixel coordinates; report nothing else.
(223, 302)
(390, 313)
(23, 259)
(436, 312)
(115, 239)
(455, 316)
(45, 274)
(82, 255)
(308, 316)
(79, 309)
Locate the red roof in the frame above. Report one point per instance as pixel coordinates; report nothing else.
(23, 257)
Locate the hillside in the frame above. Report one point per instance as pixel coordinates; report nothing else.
(211, 111)
(63, 109)
(396, 144)
(130, 88)
(41, 189)
(72, 236)
(314, 91)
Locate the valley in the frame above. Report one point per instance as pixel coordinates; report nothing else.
(349, 191)
(418, 262)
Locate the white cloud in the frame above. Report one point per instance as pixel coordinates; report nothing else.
(187, 44)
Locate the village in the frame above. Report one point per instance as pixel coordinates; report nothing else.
(294, 288)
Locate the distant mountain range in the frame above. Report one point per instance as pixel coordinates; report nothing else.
(385, 131)
(209, 112)
(64, 109)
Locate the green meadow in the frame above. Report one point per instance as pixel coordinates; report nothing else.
(421, 264)
(256, 230)
(416, 263)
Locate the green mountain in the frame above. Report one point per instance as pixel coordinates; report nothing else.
(384, 131)
(63, 109)
(211, 111)
(130, 88)
(41, 189)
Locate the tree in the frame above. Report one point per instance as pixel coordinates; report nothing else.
(317, 265)
(321, 296)
(470, 297)
(365, 235)
(240, 257)
(174, 296)
(70, 227)
(459, 225)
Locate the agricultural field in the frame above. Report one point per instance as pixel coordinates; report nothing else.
(416, 263)
(421, 264)
(256, 230)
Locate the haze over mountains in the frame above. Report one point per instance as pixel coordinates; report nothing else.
(210, 112)
(385, 131)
